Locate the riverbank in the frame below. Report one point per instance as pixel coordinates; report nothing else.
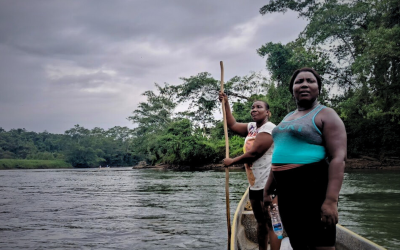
(32, 164)
(363, 162)
(144, 165)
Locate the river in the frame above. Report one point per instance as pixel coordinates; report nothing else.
(122, 208)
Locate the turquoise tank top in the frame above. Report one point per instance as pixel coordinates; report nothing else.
(298, 141)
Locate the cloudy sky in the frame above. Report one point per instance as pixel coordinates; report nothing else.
(67, 62)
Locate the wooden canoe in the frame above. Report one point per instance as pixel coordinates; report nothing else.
(244, 233)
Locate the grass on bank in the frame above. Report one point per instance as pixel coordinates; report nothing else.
(32, 164)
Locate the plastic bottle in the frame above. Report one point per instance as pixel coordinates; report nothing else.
(276, 221)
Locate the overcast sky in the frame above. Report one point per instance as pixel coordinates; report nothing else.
(67, 62)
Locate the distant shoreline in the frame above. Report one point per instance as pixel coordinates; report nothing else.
(365, 163)
(354, 163)
(32, 164)
(371, 163)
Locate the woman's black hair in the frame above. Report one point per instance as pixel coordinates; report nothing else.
(311, 70)
(266, 104)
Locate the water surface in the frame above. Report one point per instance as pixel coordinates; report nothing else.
(122, 208)
(369, 205)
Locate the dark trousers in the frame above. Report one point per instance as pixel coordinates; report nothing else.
(301, 193)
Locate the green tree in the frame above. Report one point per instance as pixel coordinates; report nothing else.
(242, 88)
(362, 38)
(80, 156)
(77, 133)
(156, 113)
(281, 62)
(201, 93)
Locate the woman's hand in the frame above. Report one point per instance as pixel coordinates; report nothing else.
(329, 213)
(237, 127)
(227, 162)
(222, 96)
(267, 200)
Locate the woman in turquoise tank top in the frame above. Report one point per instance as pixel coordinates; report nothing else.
(308, 166)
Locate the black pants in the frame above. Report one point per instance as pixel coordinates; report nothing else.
(301, 193)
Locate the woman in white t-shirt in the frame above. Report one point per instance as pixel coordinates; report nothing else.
(257, 160)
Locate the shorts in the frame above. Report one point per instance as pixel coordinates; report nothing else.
(257, 195)
(301, 193)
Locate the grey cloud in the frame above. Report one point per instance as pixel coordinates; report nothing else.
(139, 42)
(177, 21)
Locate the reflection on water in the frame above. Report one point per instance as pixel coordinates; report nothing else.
(370, 205)
(115, 209)
(145, 209)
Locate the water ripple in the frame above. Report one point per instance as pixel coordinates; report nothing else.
(147, 209)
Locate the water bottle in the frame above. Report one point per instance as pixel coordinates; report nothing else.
(276, 221)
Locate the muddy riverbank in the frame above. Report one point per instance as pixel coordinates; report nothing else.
(354, 163)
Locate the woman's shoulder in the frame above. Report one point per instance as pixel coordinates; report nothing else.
(327, 114)
(270, 124)
(267, 127)
(288, 114)
(327, 111)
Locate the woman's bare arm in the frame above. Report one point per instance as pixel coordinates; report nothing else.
(236, 127)
(334, 133)
(261, 144)
(267, 191)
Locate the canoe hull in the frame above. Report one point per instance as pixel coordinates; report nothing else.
(244, 233)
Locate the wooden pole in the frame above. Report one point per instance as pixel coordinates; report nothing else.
(228, 214)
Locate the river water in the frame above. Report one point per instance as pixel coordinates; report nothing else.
(122, 208)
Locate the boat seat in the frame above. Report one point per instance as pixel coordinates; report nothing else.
(248, 239)
(248, 221)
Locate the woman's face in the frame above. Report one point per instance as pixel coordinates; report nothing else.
(258, 111)
(305, 87)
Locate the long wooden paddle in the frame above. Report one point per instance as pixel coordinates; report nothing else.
(228, 214)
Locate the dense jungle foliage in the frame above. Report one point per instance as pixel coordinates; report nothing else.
(78, 146)
(354, 45)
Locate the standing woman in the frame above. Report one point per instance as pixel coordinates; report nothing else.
(308, 166)
(257, 159)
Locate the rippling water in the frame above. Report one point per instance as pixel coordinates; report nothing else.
(122, 208)
(115, 209)
(370, 206)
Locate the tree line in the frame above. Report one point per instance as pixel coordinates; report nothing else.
(78, 146)
(354, 45)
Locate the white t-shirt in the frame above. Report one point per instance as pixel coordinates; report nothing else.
(262, 166)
